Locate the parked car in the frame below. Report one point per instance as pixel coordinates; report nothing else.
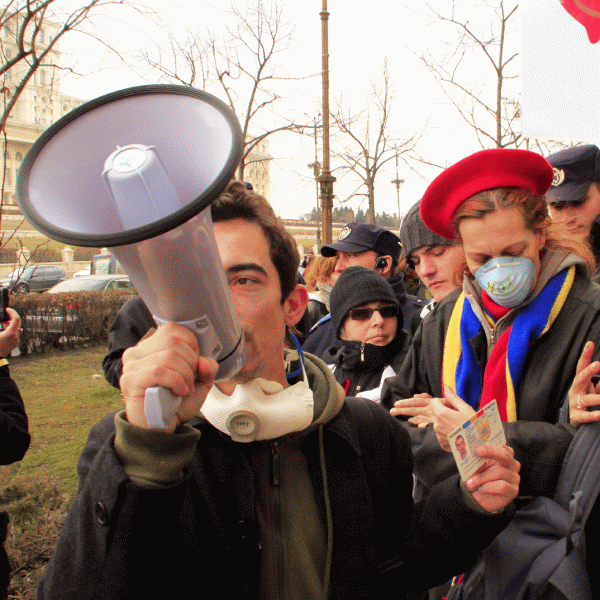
(33, 278)
(83, 272)
(93, 283)
(64, 319)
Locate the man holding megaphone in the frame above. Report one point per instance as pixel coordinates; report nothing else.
(269, 484)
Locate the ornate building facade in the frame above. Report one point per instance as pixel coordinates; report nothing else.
(40, 104)
(258, 169)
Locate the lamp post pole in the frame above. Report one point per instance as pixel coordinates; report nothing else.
(326, 179)
(316, 167)
(398, 182)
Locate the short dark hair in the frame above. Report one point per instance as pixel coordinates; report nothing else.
(238, 202)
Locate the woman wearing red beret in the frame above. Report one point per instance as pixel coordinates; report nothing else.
(515, 331)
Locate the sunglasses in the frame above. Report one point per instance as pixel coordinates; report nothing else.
(364, 314)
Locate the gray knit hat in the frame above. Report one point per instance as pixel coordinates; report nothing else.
(357, 286)
(414, 234)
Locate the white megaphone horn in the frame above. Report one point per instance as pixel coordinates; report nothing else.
(136, 171)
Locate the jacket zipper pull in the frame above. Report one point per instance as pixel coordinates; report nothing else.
(362, 352)
(492, 338)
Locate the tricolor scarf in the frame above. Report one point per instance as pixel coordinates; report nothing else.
(460, 369)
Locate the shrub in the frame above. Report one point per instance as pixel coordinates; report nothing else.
(66, 319)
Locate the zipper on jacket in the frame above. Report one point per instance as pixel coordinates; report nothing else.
(362, 352)
(492, 338)
(275, 464)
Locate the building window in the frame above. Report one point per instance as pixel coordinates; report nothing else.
(42, 79)
(41, 36)
(18, 156)
(7, 176)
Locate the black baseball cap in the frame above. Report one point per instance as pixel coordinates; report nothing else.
(575, 169)
(359, 237)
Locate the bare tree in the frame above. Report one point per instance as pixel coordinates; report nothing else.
(30, 31)
(477, 66)
(364, 142)
(243, 62)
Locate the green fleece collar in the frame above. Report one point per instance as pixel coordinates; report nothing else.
(328, 393)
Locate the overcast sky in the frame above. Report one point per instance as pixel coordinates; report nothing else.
(361, 35)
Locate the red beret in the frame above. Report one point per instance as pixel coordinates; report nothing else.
(484, 170)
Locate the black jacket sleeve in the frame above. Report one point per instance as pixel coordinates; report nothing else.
(130, 325)
(433, 539)
(14, 426)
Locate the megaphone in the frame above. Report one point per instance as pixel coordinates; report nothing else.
(136, 170)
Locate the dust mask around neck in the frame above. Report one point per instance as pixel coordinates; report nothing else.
(260, 409)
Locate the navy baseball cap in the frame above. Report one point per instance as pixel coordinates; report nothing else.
(575, 169)
(359, 237)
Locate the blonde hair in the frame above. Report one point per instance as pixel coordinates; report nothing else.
(534, 209)
(319, 268)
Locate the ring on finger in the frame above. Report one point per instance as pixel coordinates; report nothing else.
(579, 403)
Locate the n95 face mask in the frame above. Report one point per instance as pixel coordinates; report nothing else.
(506, 279)
(260, 409)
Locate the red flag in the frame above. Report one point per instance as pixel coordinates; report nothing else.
(587, 12)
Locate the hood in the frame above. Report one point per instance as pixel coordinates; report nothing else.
(398, 285)
(328, 393)
(358, 356)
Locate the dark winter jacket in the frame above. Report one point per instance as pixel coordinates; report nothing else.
(14, 425)
(123, 540)
(316, 310)
(360, 368)
(539, 441)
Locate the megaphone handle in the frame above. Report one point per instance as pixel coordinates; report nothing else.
(160, 406)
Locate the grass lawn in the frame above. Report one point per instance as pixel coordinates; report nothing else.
(65, 393)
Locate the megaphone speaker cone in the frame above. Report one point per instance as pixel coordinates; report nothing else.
(136, 171)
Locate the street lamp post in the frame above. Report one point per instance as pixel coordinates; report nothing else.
(326, 179)
(316, 167)
(398, 182)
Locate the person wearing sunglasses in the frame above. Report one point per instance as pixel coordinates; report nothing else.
(371, 343)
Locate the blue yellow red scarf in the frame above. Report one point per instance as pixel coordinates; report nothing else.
(460, 369)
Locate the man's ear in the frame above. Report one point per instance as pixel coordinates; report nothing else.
(295, 305)
(384, 271)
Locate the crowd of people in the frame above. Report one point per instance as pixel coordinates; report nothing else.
(347, 486)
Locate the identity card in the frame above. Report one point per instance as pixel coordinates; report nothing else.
(483, 428)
